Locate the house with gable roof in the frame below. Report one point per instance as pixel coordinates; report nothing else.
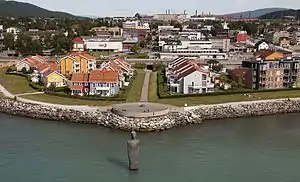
(104, 83)
(77, 62)
(187, 77)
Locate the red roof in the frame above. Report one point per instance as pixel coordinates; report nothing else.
(83, 54)
(48, 72)
(78, 40)
(79, 77)
(103, 76)
(77, 87)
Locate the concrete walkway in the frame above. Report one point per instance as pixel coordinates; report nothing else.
(32, 93)
(145, 89)
(75, 107)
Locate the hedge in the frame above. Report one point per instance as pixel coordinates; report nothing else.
(61, 94)
(62, 91)
(162, 93)
(37, 86)
(121, 96)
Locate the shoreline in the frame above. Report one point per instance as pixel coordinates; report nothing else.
(170, 118)
(188, 115)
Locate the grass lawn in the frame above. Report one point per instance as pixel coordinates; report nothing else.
(217, 99)
(134, 94)
(67, 101)
(152, 94)
(14, 84)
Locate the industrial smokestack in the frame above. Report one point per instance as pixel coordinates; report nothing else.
(202, 13)
(169, 11)
(196, 12)
(166, 12)
(184, 12)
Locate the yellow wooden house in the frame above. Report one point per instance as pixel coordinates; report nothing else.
(54, 78)
(78, 62)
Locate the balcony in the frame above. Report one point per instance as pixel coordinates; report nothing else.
(195, 86)
(102, 88)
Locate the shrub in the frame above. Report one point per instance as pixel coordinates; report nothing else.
(139, 65)
(61, 94)
(163, 92)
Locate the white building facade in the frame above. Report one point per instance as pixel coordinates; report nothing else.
(185, 76)
(103, 44)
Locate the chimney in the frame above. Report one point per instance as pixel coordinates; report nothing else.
(202, 13)
(209, 13)
(184, 12)
(196, 12)
(166, 12)
(169, 11)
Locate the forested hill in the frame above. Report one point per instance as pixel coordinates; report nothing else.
(20, 9)
(282, 14)
(254, 13)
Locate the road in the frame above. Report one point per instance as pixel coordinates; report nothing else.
(145, 89)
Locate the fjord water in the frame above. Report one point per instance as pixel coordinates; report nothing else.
(235, 150)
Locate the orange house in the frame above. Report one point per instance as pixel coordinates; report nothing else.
(77, 62)
(269, 55)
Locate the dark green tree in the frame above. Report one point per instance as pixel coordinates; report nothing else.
(9, 41)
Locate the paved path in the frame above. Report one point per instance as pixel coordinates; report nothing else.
(145, 89)
(33, 93)
(75, 107)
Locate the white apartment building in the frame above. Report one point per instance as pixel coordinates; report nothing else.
(167, 33)
(15, 31)
(136, 25)
(187, 77)
(1, 32)
(222, 44)
(296, 37)
(98, 43)
(192, 45)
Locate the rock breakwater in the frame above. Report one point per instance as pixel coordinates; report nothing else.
(104, 118)
(159, 123)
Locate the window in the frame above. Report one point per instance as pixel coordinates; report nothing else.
(271, 73)
(278, 73)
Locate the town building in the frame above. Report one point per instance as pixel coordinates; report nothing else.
(272, 74)
(242, 37)
(112, 31)
(104, 83)
(99, 43)
(13, 30)
(187, 77)
(167, 34)
(262, 45)
(78, 44)
(284, 42)
(44, 71)
(53, 78)
(79, 84)
(203, 17)
(171, 17)
(1, 32)
(129, 42)
(136, 25)
(191, 45)
(222, 44)
(296, 37)
(77, 62)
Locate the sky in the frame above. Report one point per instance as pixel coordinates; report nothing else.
(130, 7)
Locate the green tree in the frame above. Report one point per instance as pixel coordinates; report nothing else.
(142, 44)
(136, 49)
(23, 44)
(9, 41)
(217, 68)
